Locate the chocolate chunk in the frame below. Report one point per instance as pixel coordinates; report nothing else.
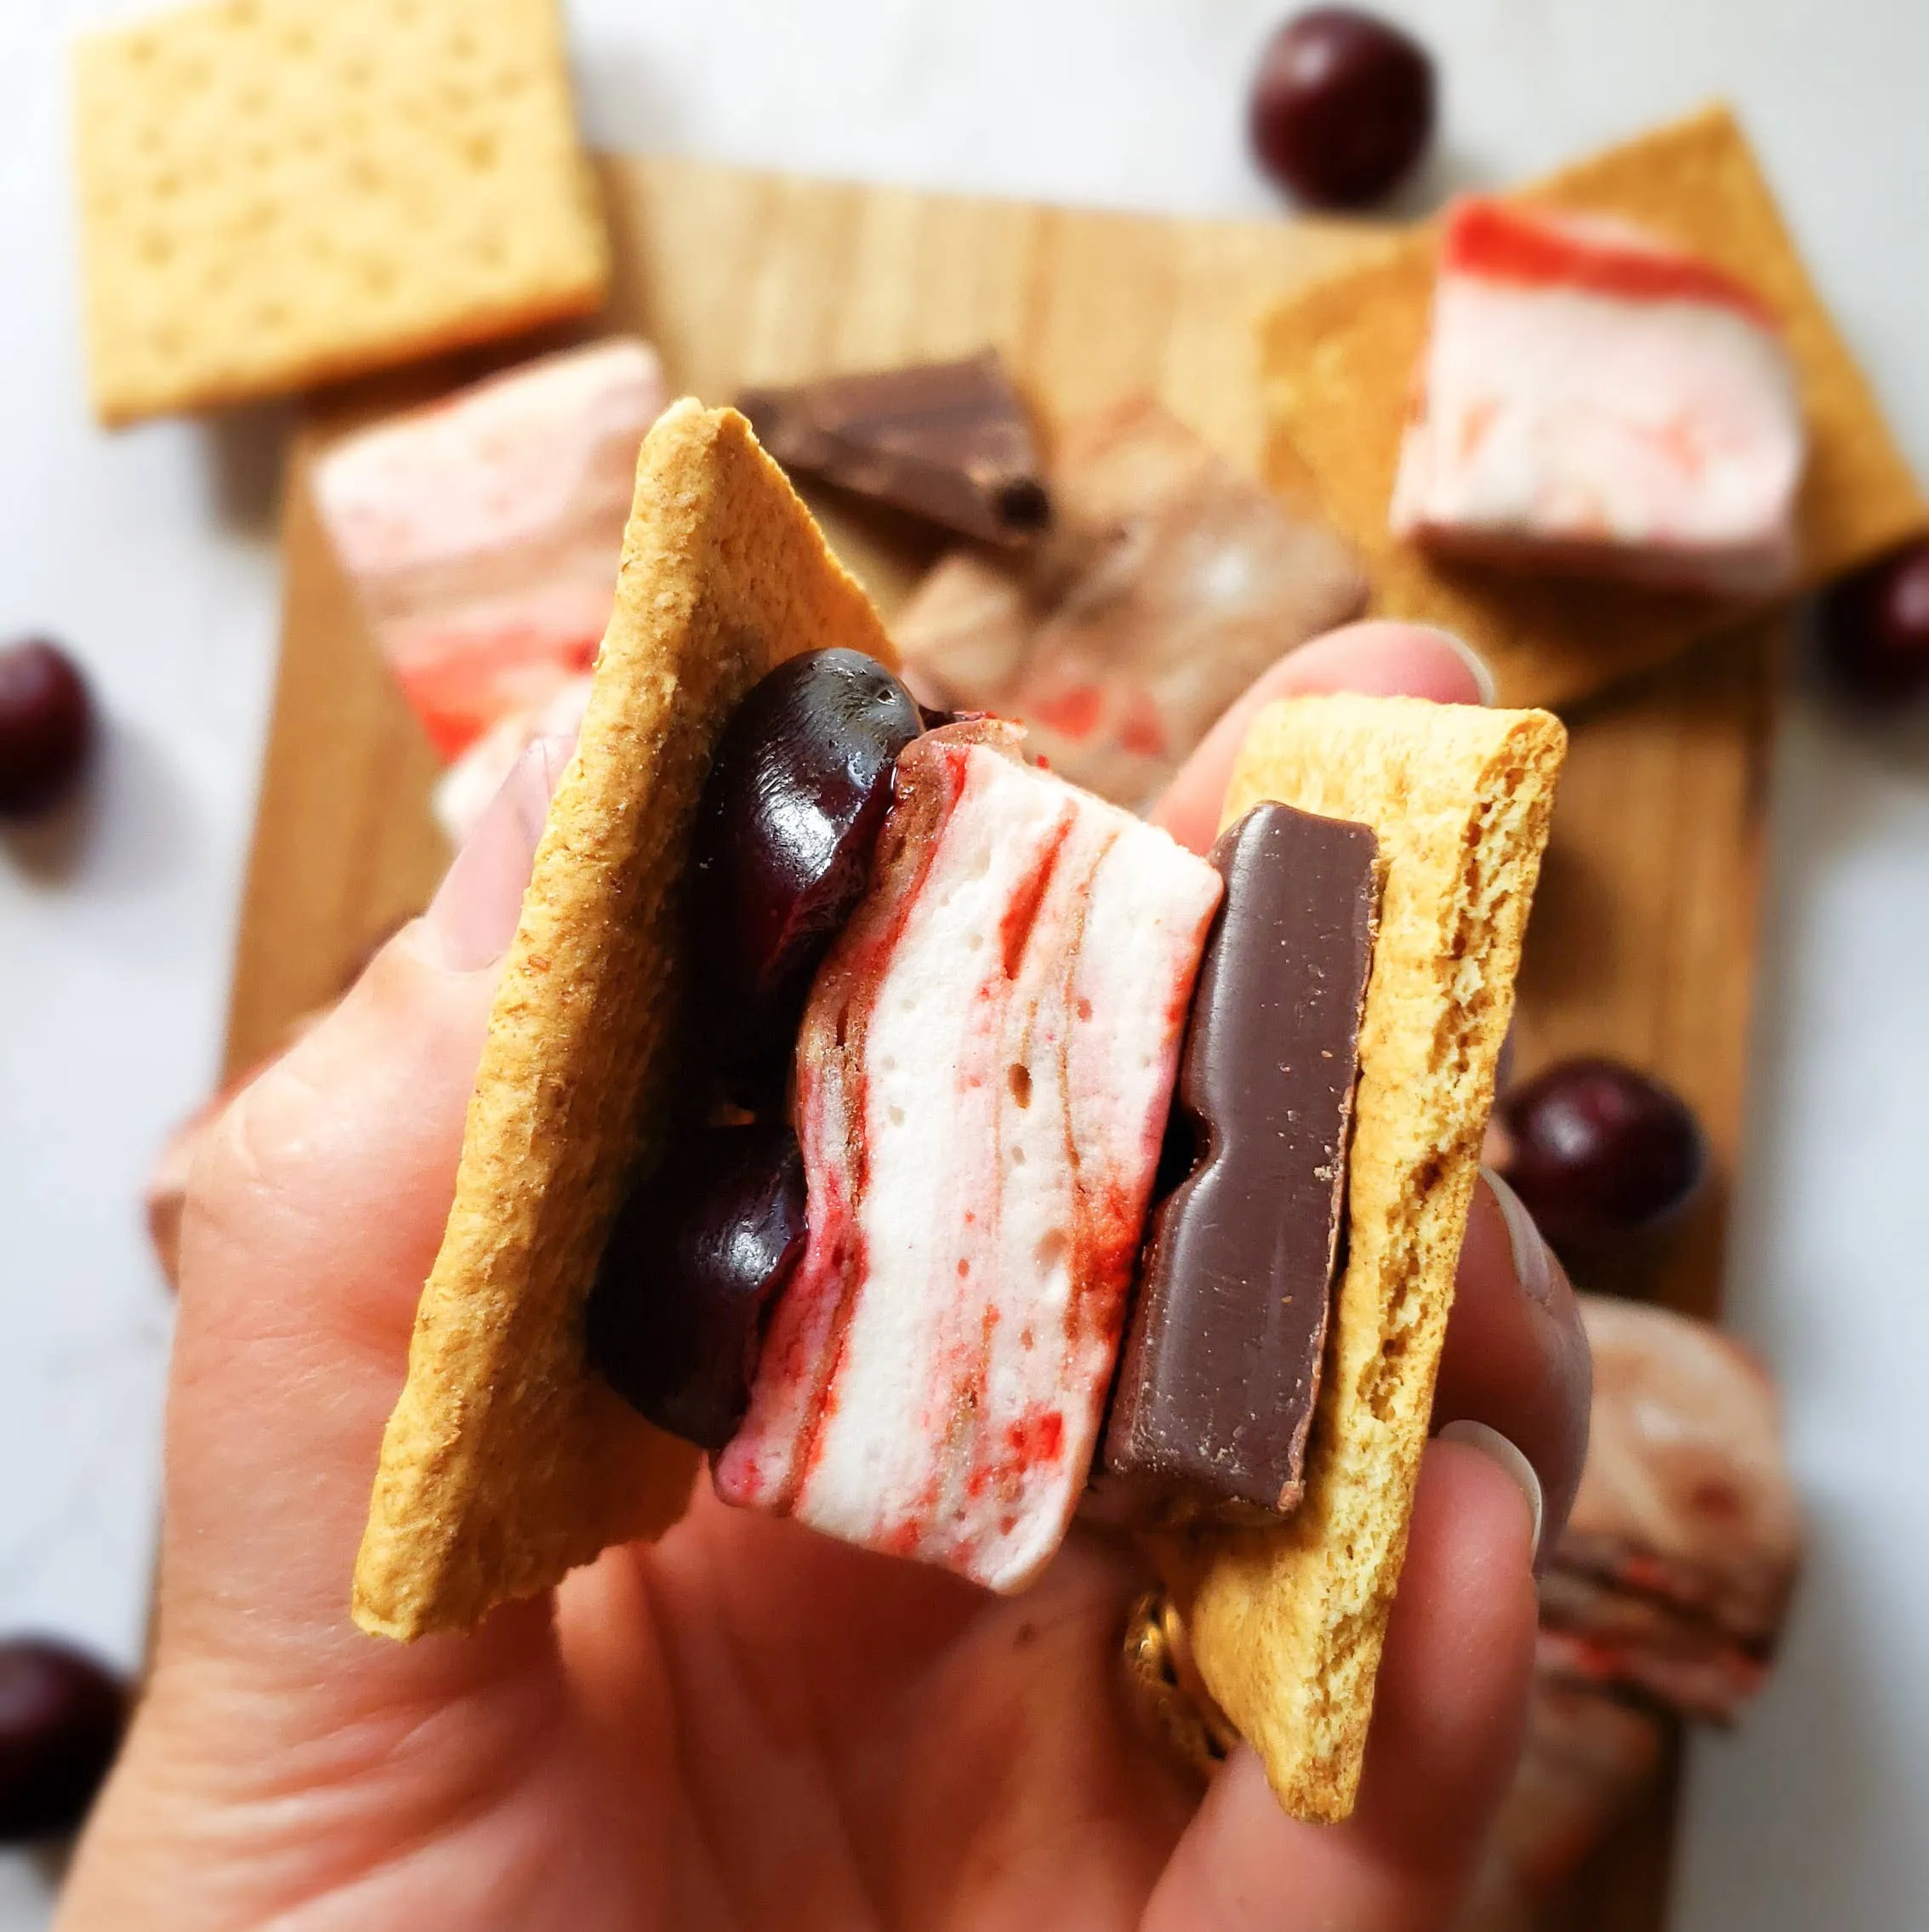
(946, 441)
(1221, 1363)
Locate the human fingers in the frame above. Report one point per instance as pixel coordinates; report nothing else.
(1452, 1682)
(1515, 1359)
(1379, 658)
(1448, 1712)
(275, 1744)
(314, 1210)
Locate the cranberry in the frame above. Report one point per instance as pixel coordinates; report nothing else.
(46, 725)
(1342, 107)
(677, 1312)
(61, 1717)
(1600, 1150)
(784, 832)
(1874, 628)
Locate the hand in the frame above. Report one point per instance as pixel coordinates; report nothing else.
(746, 1724)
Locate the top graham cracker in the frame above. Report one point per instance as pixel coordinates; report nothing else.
(507, 1460)
(1338, 362)
(278, 192)
(1286, 1624)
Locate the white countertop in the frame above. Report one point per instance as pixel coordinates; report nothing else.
(151, 553)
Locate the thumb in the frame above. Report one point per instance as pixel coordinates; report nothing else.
(277, 1748)
(313, 1211)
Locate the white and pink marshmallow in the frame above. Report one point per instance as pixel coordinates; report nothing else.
(1592, 399)
(983, 1076)
(483, 533)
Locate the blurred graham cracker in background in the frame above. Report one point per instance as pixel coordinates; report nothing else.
(1337, 363)
(276, 192)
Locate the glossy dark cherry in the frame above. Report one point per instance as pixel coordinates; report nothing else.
(46, 725)
(784, 832)
(1874, 628)
(1600, 1150)
(61, 1716)
(677, 1312)
(1342, 107)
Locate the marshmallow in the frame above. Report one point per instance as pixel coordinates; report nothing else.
(983, 1076)
(1592, 400)
(483, 533)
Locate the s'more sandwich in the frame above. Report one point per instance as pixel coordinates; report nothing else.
(945, 1153)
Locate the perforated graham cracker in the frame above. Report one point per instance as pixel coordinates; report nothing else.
(506, 1461)
(1338, 362)
(1286, 1624)
(274, 192)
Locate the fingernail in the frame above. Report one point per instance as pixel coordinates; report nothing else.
(472, 917)
(1533, 1268)
(1476, 665)
(1497, 1448)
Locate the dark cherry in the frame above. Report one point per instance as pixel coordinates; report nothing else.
(1874, 628)
(789, 817)
(677, 1312)
(61, 1716)
(1342, 107)
(46, 725)
(1600, 1150)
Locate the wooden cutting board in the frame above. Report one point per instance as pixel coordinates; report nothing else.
(1642, 942)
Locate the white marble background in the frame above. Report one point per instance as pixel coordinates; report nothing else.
(151, 553)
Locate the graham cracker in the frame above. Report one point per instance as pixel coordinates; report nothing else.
(506, 1461)
(1338, 363)
(1286, 1624)
(274, 192)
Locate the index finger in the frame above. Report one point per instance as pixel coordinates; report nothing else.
(1381, 660)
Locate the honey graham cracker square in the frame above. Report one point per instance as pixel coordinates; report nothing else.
(507, 1461)
(1338, 363)
(1286, 1624)
(277, 192)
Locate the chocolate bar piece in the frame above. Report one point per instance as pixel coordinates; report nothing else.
(1221, 1364)
(946, 441)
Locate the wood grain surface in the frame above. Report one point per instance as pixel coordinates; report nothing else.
(1642, 942)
